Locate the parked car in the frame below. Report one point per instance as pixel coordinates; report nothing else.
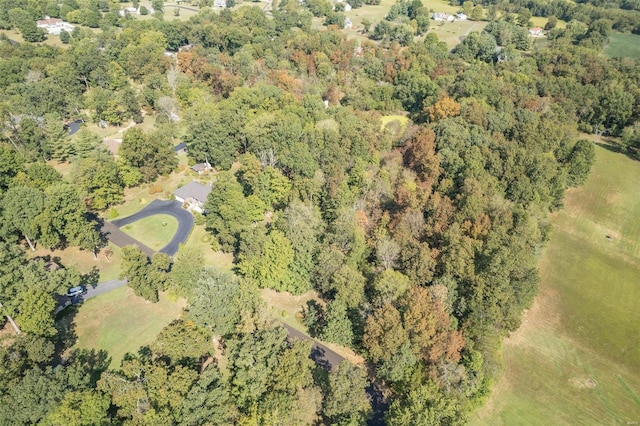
(75, 291)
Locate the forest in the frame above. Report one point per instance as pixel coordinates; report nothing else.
(420, 237)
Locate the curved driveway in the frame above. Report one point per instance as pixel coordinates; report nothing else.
(171, 208)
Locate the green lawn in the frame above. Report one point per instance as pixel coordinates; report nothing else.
(154, 231)
(623, 45)
(121, 322)
(576, 358)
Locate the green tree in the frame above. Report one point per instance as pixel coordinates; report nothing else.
(254, 359)
(81, 408)
(338, 328)
(346, 400)
(21, 206)
(580, 161)
(145, 279)
(36, 313)
(151, 154)
(65, 38)
(208, 401)
(270, 267)
(229, 212)
(424, 405)
(219, 302)
(99, 179)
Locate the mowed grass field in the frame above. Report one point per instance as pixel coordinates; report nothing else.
(154, 231)
(576, 358)
(121, 322)
(623, 45)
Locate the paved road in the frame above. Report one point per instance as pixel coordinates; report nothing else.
(330, 360)
(92, 291)
(321, 354)
(119, 238)
(171, 208)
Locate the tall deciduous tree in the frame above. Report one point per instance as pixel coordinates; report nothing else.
(22, 205)
(151, 154)
(346, 401)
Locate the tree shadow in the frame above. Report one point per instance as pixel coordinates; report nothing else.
(91, 279)
(319, 357)
(618, 149)
(66, 337)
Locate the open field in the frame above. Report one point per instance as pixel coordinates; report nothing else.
(452, 33)
(154, 231)
(623, 45)
(121, 322)
(576, 358)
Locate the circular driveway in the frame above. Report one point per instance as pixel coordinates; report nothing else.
(172, 208)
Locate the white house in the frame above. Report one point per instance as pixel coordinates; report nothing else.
(348, 23)
(193, 196)
(54, 25)
(442, 16)
(536, 31)
(347, 7)
(202, 168)
(461, 17)
(220, 3)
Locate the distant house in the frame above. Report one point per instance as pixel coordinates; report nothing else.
(54, 25)
(347, 7)
(202, 168)
(193, 195)
(181, 148)
(348, 23)
(442, 16)
(536, 31)
(461, 17)
(219, 3)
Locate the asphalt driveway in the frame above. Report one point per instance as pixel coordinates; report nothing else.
(171, 208)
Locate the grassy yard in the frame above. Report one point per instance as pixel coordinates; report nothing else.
(108, 266)
(576, 358)
(121, 322)
(154, 231)
(623, 45)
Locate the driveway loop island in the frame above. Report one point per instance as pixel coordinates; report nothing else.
(172, 208)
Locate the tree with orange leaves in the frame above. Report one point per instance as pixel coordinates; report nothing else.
(443, 108)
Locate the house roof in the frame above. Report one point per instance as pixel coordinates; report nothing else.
(194, 190)
(49, 21)
(201, 166)
(180, 146)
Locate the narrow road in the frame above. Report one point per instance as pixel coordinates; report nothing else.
(92, 291)
(321, 354)
(171, 208)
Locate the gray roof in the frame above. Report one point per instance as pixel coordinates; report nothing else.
(194, 190)
(180, 146)
(200, 166)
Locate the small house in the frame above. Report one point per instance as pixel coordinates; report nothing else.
(181, 148)
(219, 3)
(347, 23)
(442, 16)
(54, 25)
(347, 7)
(536, 31)
(193, 196)
(461, 17)
(202, 168)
